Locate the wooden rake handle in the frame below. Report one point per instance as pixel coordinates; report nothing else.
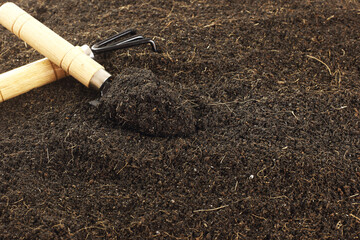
(59, 51)
(28, 77)
(23, 79)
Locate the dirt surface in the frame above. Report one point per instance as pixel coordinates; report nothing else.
(270, 92)
(137, 100)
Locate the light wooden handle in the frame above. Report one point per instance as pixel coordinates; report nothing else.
(28, 77)
(71, 59)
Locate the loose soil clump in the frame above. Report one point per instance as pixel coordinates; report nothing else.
(138, 100)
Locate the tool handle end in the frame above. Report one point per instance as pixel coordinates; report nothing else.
(23, 79)
(59, 51)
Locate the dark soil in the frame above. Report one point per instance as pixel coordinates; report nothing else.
(261, 140)
(137, 100)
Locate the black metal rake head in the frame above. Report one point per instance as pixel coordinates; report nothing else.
(114, 42)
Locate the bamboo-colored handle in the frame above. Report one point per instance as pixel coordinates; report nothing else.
(28, 77)
(23, 79)
(59, 51)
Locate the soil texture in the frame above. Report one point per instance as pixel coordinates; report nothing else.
(245, 126)
(139, 101)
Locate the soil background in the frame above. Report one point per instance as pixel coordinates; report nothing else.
(274, 89)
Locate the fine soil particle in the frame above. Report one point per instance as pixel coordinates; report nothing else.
(138, 100)
(271, 87)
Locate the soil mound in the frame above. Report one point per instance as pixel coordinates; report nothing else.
(138, 100)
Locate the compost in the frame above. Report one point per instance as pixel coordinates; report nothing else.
(247, 126)
(138, 100)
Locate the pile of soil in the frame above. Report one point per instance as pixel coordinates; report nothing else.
(138, 100)
(261, 104)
